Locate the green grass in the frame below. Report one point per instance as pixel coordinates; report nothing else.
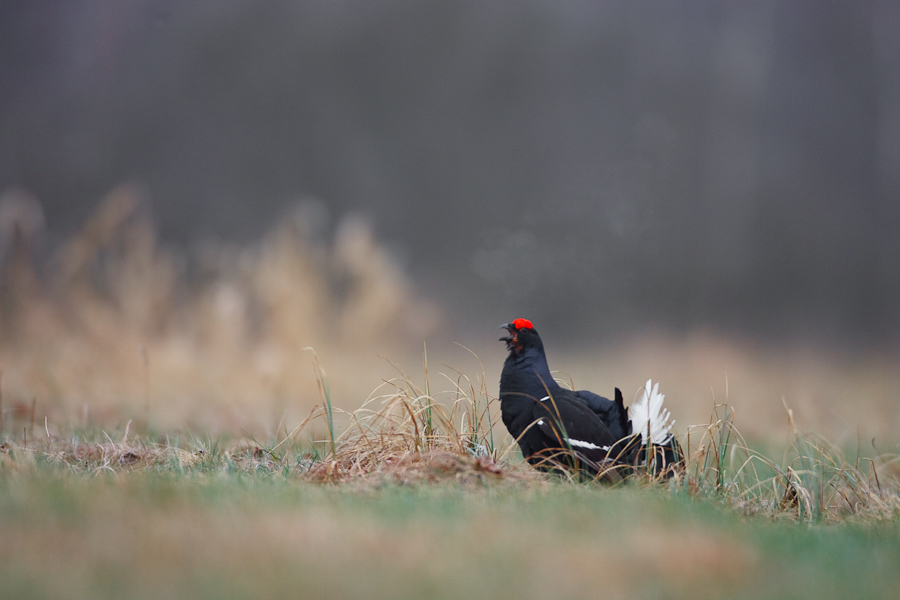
(411, 499)
(198, 533)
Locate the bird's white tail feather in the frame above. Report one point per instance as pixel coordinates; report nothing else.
(648, 416)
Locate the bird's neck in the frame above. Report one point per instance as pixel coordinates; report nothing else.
(527, 373)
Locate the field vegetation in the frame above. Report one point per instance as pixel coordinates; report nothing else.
(217, 423)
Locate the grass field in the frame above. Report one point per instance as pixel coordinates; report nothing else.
(113, 519)
(262, 535)
(411, 498)
(166, 430)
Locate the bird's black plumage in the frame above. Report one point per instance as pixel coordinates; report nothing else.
(612, 413)
(556, 427)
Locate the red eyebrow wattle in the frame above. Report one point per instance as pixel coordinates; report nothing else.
(522, 324)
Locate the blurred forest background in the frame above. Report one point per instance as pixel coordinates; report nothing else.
(371, 175)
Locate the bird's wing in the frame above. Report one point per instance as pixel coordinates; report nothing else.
(568, 423)
(613, 414)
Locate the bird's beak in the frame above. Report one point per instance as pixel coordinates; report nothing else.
(511, 338)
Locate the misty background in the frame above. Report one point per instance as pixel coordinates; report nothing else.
(598, 167)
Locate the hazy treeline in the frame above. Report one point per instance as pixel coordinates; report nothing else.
(598, 166)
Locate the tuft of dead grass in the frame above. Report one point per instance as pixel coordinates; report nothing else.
(407, 433)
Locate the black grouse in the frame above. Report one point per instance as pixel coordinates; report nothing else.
(560, 429)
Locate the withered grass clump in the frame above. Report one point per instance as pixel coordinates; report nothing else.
(405, 433)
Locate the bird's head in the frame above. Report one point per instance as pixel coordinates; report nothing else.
(521, 335)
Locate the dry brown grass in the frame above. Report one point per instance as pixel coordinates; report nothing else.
(117, 332)
(115, 326)
(407, 434)
(111, 325)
